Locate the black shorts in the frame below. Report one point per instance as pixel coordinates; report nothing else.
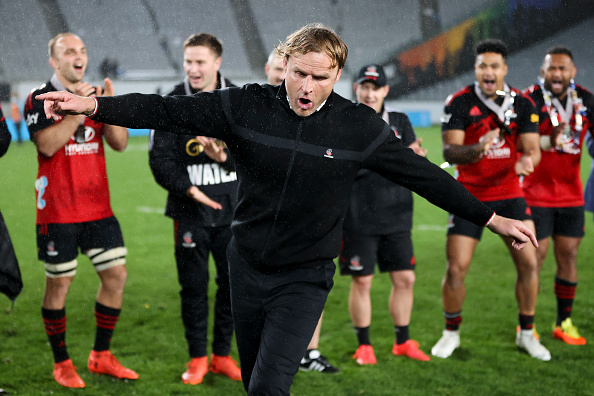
(515, 208)
(359, 253)
(59, 243)
(568, 222)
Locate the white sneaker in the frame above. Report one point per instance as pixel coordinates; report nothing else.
(526, 340)
(449, 341)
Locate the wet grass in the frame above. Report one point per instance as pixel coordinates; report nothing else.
(149, 336)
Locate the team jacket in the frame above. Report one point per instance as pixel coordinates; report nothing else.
(4, 135)
(556, 181)
(493, 178)
(178, 162)
(295, 173)
(378, 206)
(71, 186)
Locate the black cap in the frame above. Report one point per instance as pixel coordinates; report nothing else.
(373, 73)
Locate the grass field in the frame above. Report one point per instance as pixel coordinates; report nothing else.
(149, 336)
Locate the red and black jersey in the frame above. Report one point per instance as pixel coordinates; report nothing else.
(556, 181)
(71, 186)
(493, 178)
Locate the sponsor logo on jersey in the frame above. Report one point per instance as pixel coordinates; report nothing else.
(83, 134)
(187, 240)
(534, 118)
(328, 153)
(355, 264)
(498, 151)
(412, 260)
(82, 142)
(32, 119)
(193, 148)
(445, 118)
(475, 112)
(207, 174)
(51, 249)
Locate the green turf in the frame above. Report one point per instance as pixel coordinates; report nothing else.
(149, 336)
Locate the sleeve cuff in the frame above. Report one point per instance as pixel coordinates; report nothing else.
(96, 107)
(490, 219)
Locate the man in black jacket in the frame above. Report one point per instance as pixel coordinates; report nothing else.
(11, 283)
(297, 149)
(183, 166)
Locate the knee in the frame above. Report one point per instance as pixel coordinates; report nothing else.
(404, 280)
(362, 284)
(57, 287)
(455, 274)
(114, 279)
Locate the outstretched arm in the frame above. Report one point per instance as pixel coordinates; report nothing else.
(513, 228)
(58, 104)
(200, 114)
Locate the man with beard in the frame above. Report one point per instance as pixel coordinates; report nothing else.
(554, 190)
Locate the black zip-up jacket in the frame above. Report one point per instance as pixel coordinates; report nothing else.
(295, 173)
(177, 164)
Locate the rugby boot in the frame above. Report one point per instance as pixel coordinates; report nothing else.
(105, 363)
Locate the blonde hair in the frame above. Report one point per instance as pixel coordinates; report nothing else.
(315, 37)
(51, 46)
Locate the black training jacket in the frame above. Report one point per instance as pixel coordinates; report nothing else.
(295, 173)
(378, 206)
(178, 163)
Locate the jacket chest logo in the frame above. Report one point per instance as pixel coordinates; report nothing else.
(328, 153)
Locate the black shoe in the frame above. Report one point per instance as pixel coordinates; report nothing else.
(314, 361)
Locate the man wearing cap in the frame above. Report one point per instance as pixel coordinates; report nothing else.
(377, 229)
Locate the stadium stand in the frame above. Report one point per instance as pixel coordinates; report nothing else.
(145, 37)
(524, 65)
(23, 40)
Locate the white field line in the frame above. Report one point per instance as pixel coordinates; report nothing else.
(148, 209)
(430, 227)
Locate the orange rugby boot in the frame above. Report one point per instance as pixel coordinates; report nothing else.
(365, 355)
(105, 363)
(226, 366)
(197, 369)
(65, 375)
(410, 349)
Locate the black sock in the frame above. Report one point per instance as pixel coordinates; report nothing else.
(526, 321)
(54, 321)
(363, 335)
(401, 334)
(565, 293)
(452, 320)
(106, 319)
